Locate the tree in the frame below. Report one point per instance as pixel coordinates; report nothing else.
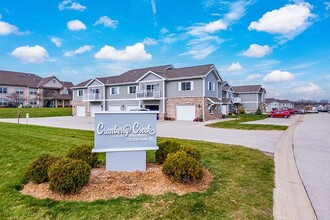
(15, 99)
(47, 95)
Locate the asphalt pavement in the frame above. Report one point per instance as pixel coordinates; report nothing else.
(265, 141)
(312, 152)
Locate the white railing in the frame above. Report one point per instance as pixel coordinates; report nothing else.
(237, 100)
(92, 97)
(148, 94)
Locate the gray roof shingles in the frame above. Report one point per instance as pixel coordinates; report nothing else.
(165, 71)
(19, 79)
(249, 88)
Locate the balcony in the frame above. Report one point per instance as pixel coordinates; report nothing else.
(236, 100)
(92, 97)
(148, 94)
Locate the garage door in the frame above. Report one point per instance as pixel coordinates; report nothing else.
(81, 111)
(95, 108)
(114, 108)
(185, 112)
(129, 107)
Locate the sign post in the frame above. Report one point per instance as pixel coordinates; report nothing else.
(125, 137)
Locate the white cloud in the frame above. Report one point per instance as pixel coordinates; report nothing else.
(254, 76)
(26, 54)
(288, 21)
(71, 5)
(234, 67)
(80, 50)
(149, 41)
(256, 50)
(327, 5)
(164, 31)
(310, 89)
(153, 5)
(200, 51)
(237, 10)
(131, 53)
(107, 22)
(278, 76)
(6, 28)
(56, 41)
(76, 25)
(214, 26)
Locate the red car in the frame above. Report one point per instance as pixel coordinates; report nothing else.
(291, 110)
(279, 114)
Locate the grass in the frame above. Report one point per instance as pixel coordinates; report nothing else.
(237, 123)
(34, 112)
(242, 187)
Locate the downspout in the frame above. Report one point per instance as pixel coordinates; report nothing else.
(164, 106)
(104, 107)
(203, 102)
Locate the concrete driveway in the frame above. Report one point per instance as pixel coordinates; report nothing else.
(263, 140)
(312, 151)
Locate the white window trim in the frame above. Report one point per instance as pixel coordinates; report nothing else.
(78, 93)
(128, 89)
(191, 85)
(117, 90)
(212, 86)
(4, 88)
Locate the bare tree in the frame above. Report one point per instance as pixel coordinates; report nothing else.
(16, 99)
(47, 96)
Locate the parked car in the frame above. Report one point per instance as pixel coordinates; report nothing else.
(279, 114)
(291, 110)
(300, 111)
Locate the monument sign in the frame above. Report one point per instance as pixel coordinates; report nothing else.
(125, 137)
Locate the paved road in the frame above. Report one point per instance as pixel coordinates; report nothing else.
(312, 151)
(276, 121)
(263, 140)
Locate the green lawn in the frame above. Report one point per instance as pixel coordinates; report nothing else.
(242, 187)
(34, 112)
(237, 121)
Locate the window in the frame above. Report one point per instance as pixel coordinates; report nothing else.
(65, 91)
(131, 89)
(33, 91)
(33, 101)
(19, 91)
(114, 90)
(80, 92)
(211, 86)
(94, 91)
(185, 86)
(3, 90)
(3, 102)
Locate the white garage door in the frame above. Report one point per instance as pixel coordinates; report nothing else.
(95, 108)
(81, 111)
(129, 107)
(185, 112)
(114, 108)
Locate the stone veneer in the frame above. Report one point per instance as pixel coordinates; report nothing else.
(171, 104)
(76, 103)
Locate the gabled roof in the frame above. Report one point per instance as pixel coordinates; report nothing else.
(248, 89)
(165, 71)
(19, 79)
(270, 100)
(68, 85)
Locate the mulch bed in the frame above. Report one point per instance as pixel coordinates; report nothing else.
(108, 184)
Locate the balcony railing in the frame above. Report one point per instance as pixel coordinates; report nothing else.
(148, 94)
(92, 97)
(237, 100)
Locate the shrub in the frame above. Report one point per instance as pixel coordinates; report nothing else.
(258, 112)
(68, 175)
(165, 148)
(37, 170)
(192, 152)
(84, 152)
(182, 168)
(241, 110)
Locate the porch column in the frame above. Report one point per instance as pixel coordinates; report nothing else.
(63, 103)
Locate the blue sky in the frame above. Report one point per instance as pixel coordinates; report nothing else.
(283, 45)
